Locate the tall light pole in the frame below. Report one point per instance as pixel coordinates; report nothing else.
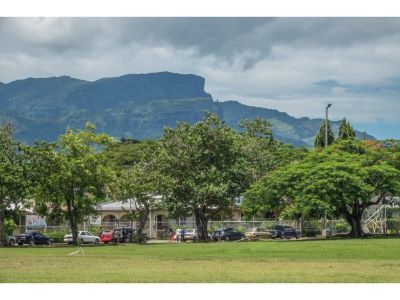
(326, 124)
(326, 145)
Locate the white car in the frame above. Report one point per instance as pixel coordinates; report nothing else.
(83, 237)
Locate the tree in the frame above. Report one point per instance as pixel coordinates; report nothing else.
(346, 131)
(142, 184)
(128, 152)
(259, 153)
(199, 161)
(320, 138)
(343, 179)
(71, 175)
(13, 181)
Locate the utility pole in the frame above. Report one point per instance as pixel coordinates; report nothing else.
(326, 145)
(326, 124)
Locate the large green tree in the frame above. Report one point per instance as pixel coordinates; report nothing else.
(346, 131)
(71, 175)
(320, 137)
(128, 152)
(13, 176)
(343, 179)
(199, 161)
(141, 184)
(259, 153)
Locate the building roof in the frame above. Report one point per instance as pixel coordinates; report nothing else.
(122, 205)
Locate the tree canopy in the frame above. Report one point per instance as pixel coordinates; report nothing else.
(343, 179)
(71, 175)
(199, 161)
(346, 131)
(142, 184)
(13, 174)
(320, 137)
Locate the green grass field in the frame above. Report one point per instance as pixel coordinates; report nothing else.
(368, 260)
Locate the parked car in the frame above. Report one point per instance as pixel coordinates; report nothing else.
(190, 234)
(258, 232)
(106, 236)
(33, 238)
(283, 232)
(227, 234)
(123, 235)
(83, 237)
(10, 240)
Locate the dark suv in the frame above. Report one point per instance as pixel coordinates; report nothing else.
(33, 238)
(283, 232)
(125, 235)
(227, 234)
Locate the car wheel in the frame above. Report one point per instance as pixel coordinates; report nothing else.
(48, 242)
(96, 241)
(283, 236)
(227, 238)
(81, 241)
(12, 243)
(32, 242)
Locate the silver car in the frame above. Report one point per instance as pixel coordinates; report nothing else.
(83, 237)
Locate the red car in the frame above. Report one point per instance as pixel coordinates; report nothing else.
(106, 236)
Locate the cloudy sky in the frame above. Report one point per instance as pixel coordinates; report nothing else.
(296, 65)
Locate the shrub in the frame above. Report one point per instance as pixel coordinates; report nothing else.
(393, 225)
(310, 232)
(342, 227)
(9, 226)
(242, 229)
(213, 227)
(57, 236)
(94, 229)
(268, 224)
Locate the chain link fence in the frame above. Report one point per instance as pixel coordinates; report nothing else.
(161, 230)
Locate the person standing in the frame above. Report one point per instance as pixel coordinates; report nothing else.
(182, 235)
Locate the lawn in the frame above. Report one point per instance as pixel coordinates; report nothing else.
(367, 260)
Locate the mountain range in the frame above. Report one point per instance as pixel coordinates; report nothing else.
(135, 106)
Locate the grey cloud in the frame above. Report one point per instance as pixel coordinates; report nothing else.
(282, 63)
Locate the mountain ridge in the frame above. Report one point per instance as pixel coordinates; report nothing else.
(132, 105)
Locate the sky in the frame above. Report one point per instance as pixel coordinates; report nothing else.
(295, 65)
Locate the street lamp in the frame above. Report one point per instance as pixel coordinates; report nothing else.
(326, 124)
(326, 145)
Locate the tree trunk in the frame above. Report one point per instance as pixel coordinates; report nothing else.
(356, 227)
(2, 229)
(201, 224)
(354, 221)
(142, 223)
(72, 223)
